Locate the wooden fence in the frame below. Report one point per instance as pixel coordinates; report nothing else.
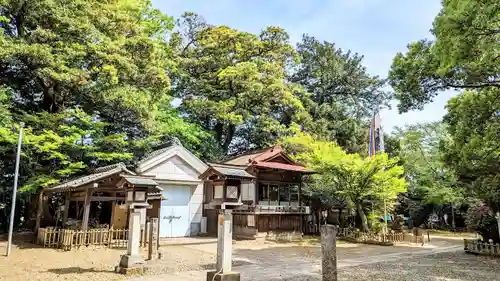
(479, 247)
(66, 239)
(400, 237)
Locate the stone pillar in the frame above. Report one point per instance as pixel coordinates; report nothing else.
(329, 252)
(224, 250)
(153, 239)
(132, 257)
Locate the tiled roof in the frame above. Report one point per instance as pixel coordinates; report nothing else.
(99, 173)
(119, 165)
(230, 170)
(173, 142)
(260, 155)
(144, 181)
(281, 166)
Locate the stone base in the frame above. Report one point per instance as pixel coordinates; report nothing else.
(230, 276)
(138, 270)
(130, 261)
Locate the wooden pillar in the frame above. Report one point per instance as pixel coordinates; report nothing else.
(39, 212)
(66, 208)
(113, 214)
(77, 210)
(299, 202)
(86, 210)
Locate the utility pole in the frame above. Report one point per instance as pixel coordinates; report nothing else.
(14, 191)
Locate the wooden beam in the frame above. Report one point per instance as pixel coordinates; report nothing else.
(107, 198)
(111, 189)
(100, 198)
(86, 210)
(67, 197)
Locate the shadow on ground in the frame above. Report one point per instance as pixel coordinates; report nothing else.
(75, 270)
(235, 263)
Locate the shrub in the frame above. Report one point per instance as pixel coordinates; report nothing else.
(480, 218)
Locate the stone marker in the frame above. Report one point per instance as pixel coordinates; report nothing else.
(133, 257)
(153, 239)
(329, 252)
(224, 250)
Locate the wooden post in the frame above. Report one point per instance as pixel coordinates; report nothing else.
(301, 216)
(86, 210)
(113, 214)
(77, 210)
(66, 208)
(39, 212)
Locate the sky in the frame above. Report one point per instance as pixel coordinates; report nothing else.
(377, 29)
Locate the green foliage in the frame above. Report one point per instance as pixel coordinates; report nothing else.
(432, 184)
(350, 176)
(341, 94)
(473, 151)
(233, 83)
(465, 54)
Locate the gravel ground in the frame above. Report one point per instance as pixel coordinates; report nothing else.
(456, 266)
(36, 264)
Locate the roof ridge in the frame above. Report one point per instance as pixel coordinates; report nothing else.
(108, 168)
(227, 165)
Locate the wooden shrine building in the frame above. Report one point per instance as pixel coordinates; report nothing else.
(105, 189)
(267, 184)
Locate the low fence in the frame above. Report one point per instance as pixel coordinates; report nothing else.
(362, 237)
(474, 246)
(67, 239)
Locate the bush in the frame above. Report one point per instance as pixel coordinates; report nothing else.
(480, 218)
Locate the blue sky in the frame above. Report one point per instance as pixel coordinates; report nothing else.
(377, 29)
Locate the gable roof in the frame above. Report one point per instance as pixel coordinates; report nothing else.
(259, 156)
(227, 171)
(158, 156)
(98, 174)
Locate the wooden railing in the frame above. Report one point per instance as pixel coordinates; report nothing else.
(400, 237)
(273, 209)
(474, 246)
(66, 239)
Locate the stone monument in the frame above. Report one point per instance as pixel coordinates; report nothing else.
(223, 270)
(153, 239)
(329, 252)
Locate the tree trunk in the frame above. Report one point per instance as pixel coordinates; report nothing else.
(364, 220)
(453, 217)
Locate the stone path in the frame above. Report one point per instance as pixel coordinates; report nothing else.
(277, 269)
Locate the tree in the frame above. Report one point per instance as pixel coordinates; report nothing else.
(91, 81)
(464, 54)
(474, 151)
(342, 95)
(233, 84)
(350, 176)
(431, 183)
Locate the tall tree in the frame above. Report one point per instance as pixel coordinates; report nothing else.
(343, 95)
(90, 79)
(464, 54)
(350, 176)
(431, 182)
(473, 121)
(233, 83)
